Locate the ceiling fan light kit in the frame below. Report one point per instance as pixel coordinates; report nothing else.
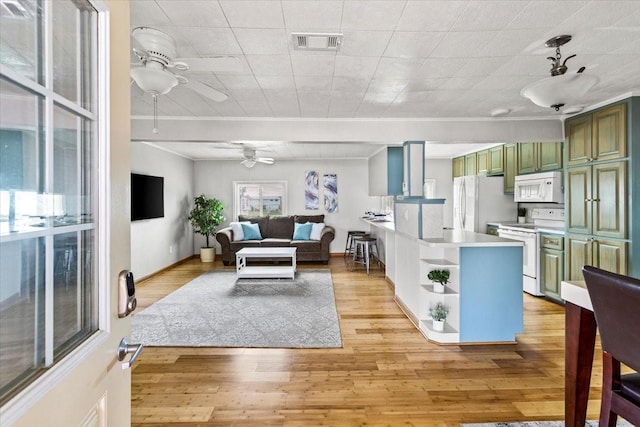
(561, 88)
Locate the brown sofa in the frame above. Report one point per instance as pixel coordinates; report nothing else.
(277, 231)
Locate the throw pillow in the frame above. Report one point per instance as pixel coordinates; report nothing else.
(251, 231)
(301, 231)
(316, 230)
(237, 230)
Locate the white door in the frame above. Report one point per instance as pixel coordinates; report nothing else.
(84, 385)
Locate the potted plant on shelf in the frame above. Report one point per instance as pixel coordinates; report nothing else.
(439, 278)
(522, 215)
(439, 315)
(205, 217)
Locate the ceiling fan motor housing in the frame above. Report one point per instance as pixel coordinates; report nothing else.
(159, 46)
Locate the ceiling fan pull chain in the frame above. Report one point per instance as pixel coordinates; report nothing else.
(155, 113)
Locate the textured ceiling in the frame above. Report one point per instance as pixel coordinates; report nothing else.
(399, 59)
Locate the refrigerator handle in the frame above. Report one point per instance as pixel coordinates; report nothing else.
(463, 204)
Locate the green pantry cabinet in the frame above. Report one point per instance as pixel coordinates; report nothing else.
(600, 174)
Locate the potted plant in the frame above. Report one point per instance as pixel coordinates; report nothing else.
(439, 315)
(439, 278)
(205, 217)
(522, 215)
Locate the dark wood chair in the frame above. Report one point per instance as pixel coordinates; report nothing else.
(616, 306)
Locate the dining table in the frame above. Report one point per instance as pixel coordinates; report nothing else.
(580, 340)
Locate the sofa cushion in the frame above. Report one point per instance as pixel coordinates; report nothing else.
(237, 231)
(251, 232)
(275, 243)
(279, 227)
(306, 246)
(262, 221)
(309, 218)
(302, 231)
(316, 230)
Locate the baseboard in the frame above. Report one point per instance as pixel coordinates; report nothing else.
(162, 270)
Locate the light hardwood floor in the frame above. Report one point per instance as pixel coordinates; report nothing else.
(387, 373)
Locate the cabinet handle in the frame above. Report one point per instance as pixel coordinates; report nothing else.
(595, 200)
(588, 200)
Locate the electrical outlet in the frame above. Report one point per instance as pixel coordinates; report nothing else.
(170, 249)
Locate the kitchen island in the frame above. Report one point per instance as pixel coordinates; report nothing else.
(484, 293)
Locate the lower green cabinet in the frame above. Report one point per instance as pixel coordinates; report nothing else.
(551, 265)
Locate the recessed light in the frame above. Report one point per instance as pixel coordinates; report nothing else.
(499, 112)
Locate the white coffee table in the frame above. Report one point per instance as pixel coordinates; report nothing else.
(244, 271)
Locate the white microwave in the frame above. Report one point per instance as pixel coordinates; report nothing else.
(543, 187)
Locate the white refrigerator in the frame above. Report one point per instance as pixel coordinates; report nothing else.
(480, 199)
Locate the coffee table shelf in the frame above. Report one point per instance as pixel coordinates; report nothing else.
(244, 271)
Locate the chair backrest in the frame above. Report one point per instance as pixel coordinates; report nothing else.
(616, 305)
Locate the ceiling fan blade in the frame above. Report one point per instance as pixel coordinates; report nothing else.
(207, 91)
(215, 64)
(265, 160)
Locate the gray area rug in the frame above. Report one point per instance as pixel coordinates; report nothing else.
(621, 423)
(216, 310)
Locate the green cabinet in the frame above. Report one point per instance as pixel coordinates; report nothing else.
(458, 166)
(551, 264)
(482, 162)
(597, 137)
(597, 187)
(539, 157)
(496, 160)
(470, 164)
(510, 167)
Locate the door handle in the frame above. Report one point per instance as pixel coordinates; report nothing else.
(125, 348)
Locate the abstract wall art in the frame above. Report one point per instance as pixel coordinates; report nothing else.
(331, 192)
(311, 190)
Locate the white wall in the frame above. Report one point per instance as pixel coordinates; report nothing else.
(440, 170)
(215, 179)
(158, 243)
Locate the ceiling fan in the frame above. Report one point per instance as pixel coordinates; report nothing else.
(250, 158)
(155, 73)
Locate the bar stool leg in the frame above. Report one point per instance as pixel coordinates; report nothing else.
(366, 250)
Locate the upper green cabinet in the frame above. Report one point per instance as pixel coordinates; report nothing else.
(470, 164)
(458, 166)
(597, 137)
(539, 157)
(510, 167)
(482, 162)
(496, 160)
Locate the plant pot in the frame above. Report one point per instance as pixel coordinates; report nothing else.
(522, 219)
(438, 325)
(207, 254)
(438, 287)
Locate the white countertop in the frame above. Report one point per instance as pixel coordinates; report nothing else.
(576, 293)
(386, 225)
(455, 238)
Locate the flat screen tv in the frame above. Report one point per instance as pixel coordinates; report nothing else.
(147, 197)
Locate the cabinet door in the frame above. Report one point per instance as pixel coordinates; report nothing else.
(482, 162)
(457, 166)
(470, 164)
(510, 167)
(609, 200)
(579, 199)
(496, 160)
(609, 133)
(610, 255)
(578, 138)
(527, 158)
(549, 156)
(579, 254)
(552, 270)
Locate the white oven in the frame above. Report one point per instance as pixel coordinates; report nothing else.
(530, 267)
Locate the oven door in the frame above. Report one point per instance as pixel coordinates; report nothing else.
(529, 257)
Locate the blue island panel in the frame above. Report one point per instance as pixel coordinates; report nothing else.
(490, 293)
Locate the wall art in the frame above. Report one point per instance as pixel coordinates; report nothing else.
(331, 192)
(311, 190)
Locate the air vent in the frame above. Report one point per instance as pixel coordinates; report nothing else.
(317, 41)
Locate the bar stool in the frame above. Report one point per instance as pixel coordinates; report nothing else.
(365, 248)
(348, 248)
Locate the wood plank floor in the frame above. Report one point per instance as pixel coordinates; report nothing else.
(387, 373)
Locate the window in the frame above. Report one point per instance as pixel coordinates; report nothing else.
(48, 180)
(260, 198)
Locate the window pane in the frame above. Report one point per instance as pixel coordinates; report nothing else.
(72, 41)
(19, 23)
(22, 306)
(260, 198)
(70, 200)
(21, 158)
(73, 309)
(272, 199)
